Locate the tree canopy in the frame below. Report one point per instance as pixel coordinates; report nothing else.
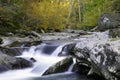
(53, 14)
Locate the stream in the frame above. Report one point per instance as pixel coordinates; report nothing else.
(46, 54)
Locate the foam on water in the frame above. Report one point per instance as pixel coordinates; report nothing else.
(44, 61)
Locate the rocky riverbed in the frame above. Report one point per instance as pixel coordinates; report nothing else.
(95, 54)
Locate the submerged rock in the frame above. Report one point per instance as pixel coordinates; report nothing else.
(59, 67)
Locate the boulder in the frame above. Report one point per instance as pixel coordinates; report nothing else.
(5, 59)
(109, 21)
(61, 66)
(106, 59)
(103, 58)
(9, 63)
(20, 63)
(15, 51)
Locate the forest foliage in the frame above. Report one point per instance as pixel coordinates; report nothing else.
(53, 15)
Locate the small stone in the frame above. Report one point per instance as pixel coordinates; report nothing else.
(32, 59)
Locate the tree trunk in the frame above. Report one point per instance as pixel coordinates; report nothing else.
(71, 7)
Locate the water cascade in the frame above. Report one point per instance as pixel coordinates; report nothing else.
(71, 66)
(45, 56)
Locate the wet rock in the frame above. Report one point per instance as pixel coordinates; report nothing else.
(23, 44)
(14, 44)
(16, 51)
(32, 59)
(81, 68)
(67, 49)
(20, 63)
(33, 43)
(61, 66)
(17, 40)
(114, 33)
(4, 62)
(5, 58)
(3, 68)
(109, 21)
(9, 63)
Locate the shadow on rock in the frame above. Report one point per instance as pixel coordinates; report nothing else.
(59, 67)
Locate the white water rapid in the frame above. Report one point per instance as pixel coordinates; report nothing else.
(45, 56)
(71, 66)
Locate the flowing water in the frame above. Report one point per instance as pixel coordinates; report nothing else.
(46, 54)
(71, 66)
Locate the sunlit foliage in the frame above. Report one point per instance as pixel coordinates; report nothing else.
(53, 15)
